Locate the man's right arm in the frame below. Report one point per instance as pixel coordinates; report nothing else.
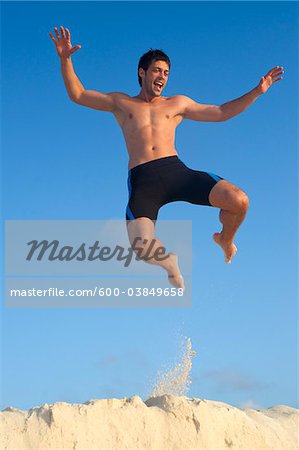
(78, 94)
(74, 87)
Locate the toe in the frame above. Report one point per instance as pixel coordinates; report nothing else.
(177, 281)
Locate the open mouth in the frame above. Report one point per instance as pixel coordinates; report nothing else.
(158, 85)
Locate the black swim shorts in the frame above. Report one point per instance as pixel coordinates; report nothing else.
(165, 180)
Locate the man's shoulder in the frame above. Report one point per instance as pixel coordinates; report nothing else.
(119, 95)
(121, 98)
(179, 98)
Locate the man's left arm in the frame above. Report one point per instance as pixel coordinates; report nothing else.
(211, 113)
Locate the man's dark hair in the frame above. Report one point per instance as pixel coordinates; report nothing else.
(149, 57)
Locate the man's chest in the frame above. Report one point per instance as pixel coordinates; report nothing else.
(154, 114)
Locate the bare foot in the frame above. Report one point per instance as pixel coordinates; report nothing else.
(229, 248)
(174, 275)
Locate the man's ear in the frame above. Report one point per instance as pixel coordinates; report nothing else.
(141, 72)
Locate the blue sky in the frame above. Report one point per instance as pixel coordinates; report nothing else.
(63, 161)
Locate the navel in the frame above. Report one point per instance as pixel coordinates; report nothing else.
(167, 116)
(131, 116)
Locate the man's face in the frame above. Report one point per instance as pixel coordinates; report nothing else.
(155, 78)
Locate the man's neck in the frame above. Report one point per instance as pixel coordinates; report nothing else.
(143, 95)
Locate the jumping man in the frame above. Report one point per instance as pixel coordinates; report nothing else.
(156, 174)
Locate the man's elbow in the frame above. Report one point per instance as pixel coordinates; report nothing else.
(223, 119)
(222, 116)
(214, 114)
(76, 97)
(73, 99)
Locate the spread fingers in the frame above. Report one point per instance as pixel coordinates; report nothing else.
(62, 32)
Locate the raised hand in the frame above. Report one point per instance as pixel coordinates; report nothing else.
(63, 44)
(272, 76)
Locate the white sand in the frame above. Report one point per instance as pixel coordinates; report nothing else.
(161, 423)
(176, 380)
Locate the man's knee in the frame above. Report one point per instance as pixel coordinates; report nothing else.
(241, 201)
(141, 229)
(229, 197)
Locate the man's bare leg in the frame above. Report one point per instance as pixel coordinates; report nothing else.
(234, 205)
(144, 229)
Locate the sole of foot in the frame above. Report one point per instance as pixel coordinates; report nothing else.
(229, 250)
(175, 277)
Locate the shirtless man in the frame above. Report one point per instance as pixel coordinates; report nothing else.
(156, 174)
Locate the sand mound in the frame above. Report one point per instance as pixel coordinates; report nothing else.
(161, 423)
